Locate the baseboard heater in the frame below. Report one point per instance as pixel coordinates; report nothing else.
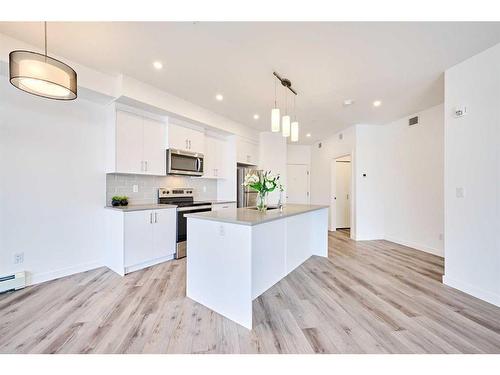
(12, 282)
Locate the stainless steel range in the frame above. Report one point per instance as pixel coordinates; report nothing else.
(184, 199)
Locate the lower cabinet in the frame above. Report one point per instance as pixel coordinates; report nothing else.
(223, 206)
(139, 239)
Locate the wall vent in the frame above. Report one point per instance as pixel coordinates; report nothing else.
(12, 282)
(413, 121)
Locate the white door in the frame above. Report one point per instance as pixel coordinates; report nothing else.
(164, 233)
(138, 226)
(129, 143)
(154, 148)
(342, 194)
(297, 187)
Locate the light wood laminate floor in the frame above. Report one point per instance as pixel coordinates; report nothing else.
(368, 297)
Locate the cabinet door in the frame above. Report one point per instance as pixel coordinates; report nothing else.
(177, 137)
(221, 159)
(164, 233)
(196, 141)
(129, 143)
(247, 152)
(154, 148)
(138, 242)
(210, 158)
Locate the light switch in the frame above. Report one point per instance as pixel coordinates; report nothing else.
(135, 188)
(460, 192)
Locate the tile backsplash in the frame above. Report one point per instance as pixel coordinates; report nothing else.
(123, 184)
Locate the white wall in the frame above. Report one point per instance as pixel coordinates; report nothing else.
(472, 162)
(298, 154)
(273, 157)
(53, 189)
(414, 181)
(369, 193)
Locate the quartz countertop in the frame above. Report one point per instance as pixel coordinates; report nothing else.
(141, 207)
(249, 216)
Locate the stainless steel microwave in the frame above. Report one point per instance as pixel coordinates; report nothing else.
(182, 162)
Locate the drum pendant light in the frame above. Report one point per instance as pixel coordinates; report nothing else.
(295, 125)
(42, 75)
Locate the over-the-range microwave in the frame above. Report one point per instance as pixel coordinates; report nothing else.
(180, 162)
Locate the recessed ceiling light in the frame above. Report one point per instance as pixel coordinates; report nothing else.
(158, 65)
(377, 103)
(308, 135)
(348, 102)
(219, 97)
(256, 116)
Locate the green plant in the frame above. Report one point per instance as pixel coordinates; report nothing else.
(119, 198)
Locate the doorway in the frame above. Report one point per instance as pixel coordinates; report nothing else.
(297, 176)
(340, 206)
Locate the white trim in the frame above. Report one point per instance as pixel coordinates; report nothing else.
(149, 263)
(484, 295)
(417, 246)
(37, 278)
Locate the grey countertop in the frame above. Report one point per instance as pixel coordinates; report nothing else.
(141, 207)
(247, 216)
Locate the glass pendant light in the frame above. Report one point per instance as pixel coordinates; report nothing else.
(285, 121)
(295, 125)
(275, 114)
(286, 126)
(42, 75)
(294, 131)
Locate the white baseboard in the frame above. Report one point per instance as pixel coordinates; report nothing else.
(416, 246)
(150, 263)
(472, 290)
(37, 278)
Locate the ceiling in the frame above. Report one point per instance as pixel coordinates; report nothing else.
(400, 64)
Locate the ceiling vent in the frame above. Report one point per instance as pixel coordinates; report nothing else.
(341, 136)
(413, 121)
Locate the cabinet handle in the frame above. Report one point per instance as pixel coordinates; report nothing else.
(145, 166)
(150, 218)
(190, 144)
(142, 166)
(156, 217)
(187, 144)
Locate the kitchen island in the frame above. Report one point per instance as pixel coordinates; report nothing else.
(235, 255)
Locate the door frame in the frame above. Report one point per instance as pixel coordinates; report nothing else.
(308, 167)
(352, 202)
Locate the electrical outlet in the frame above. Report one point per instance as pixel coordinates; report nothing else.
(440, 236)
(222, 231)
(204, 189)
(135, 188)
(460, 192)
(18, 258)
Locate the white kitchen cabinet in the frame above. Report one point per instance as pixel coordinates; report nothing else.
(137, 145)
(247, 152)
(139, 239)
(187, 139)
(214, 158)
(223, 206)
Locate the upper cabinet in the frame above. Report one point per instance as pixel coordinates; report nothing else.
(136, 145)
(214, 158)
(247, 152)
(186, 139)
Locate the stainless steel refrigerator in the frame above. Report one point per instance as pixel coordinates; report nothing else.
(245, 196)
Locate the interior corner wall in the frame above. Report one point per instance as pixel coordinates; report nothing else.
(53, 184)
(472, 176)
(414, 181)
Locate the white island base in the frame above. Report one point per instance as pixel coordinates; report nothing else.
(235, 256)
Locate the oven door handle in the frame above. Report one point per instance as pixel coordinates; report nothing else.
(186, 209)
